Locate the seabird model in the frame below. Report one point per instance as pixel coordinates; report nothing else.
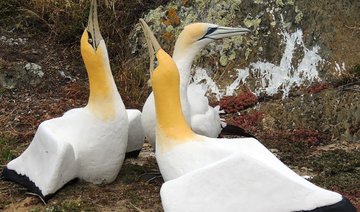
(136, 135)
(210, 174)
(87, 143)
(202, 118)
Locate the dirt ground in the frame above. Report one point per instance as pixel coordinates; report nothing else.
(335, 166)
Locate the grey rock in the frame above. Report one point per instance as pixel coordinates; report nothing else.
(34, 73)
(17, 75)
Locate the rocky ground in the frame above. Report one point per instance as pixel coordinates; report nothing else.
(315, 130)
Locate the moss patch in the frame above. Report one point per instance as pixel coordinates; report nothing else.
(339, 170)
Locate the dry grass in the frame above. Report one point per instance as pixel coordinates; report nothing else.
(63, 21)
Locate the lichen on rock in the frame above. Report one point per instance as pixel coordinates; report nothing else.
(293, 44)
(219, 12)
(268, 20)
(15, 75)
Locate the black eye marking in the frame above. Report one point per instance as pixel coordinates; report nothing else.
(208, 32)
(90, 39)
(211, 30)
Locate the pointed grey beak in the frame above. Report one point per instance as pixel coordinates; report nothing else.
(223, 32)
(153, 44)
(93, 26)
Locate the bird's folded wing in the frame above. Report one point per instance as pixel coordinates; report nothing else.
(242, 183)
(46, 165)
(205, 120)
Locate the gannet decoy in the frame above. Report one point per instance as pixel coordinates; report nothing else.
(87, 143)
(136, 135)
(210, 174)
(202, 118)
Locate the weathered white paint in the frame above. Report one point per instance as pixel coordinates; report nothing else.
(271, 78)
(242, 74)
(233, 175)
(78, 144)
(201, 77)
(136, 136)
(285, 76)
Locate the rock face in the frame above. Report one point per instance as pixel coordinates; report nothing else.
(333, 114)
(20, 75)
(298, 55)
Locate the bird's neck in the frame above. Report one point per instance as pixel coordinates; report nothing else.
(103, 92)
(172, 127)
(184, 56)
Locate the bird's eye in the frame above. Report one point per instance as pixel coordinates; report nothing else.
(156, 63)
(90, 38)
(208, 32)
(211, 30)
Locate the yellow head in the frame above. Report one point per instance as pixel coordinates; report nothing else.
(95, 57)
(197, 35)
(165, 79)
(172, 127)
(92, 43)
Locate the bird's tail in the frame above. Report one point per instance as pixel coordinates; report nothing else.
(234, 130)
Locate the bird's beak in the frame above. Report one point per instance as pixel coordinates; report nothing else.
(223, 32)
(153, 44)
(93, 26)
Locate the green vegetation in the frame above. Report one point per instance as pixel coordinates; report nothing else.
(356, 70)
(337, 161)
(7, 152)
(338, 169)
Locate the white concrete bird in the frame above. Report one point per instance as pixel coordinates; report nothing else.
(209, 174)
(87, 143)
(202, 118)
(136, 135)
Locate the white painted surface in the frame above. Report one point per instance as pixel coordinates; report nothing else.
(234, 175)
(285, 76)
(205, 120)
(136, 134)
(148, 119)
(80, 144)
(77, 144)
(201, 77)
(240, 182)
(242, 74)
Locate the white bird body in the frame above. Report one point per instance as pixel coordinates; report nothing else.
(205, 119)
(195, 105)
(148, 119)
(203, 151)
(76, 145)
(233, 175)
(244, 182)
(136, 134)
(210, 174)
(87, 143)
